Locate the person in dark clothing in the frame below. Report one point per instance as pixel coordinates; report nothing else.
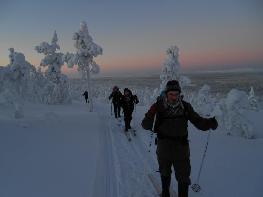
(116, 97)
(86, 96)
(171, 115)
(127, 103)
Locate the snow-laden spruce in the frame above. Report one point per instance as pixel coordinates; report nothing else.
(86, 50)
(16, 82)
(57, 88)
(203, 101)
(232, 114)
(171, 69)
(18, 74)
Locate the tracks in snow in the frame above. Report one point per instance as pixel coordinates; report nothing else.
(132, 163)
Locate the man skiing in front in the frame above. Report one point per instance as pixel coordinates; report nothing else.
(128, 101)
(171, 122)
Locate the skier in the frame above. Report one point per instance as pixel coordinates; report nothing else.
(171, 114)
(116, 97)
(86, 96)
(127, 103)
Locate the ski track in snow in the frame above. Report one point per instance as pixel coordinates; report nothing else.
(132, 161)
(130, 165)
(106, 171)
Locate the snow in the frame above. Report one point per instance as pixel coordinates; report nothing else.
(65, 150)
(50, 152)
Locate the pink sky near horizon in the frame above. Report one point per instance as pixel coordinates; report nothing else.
(194, 60)
(191, 59)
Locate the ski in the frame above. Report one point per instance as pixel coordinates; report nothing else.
(127, 134)
(156, 182)
(133, 131)
(119, 122)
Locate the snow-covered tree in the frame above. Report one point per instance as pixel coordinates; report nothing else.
(171, 69)
(252, 99)
(57, 89)
(231, 113)
(19, 71)
(84, 57)
(203, 102)
(16, 82)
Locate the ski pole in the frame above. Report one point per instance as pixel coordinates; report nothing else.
(196, 187)
(151, 138)
(134, 117)
(111, 109)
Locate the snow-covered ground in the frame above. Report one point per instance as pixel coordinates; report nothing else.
(64, 150)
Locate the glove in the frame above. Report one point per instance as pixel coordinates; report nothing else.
(213, 123)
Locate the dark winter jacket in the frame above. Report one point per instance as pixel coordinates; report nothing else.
(128, 101)
(116, 97)
(172, 135)
(174, 125)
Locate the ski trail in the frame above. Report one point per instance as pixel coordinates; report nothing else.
(106, 170)
(132, 167)
(128, 162)
(141, 145)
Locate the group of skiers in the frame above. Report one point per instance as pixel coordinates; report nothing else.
(168, 117)
(126, 101)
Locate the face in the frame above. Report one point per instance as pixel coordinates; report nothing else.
(172, 96)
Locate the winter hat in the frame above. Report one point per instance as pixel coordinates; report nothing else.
(172, 85)
(127, 90)
(115, 88)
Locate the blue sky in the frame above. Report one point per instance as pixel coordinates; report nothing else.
(135, 34)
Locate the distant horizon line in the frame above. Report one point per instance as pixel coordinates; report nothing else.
(225, 70)
(154, 73)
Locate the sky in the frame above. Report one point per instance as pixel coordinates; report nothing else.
(134, 35)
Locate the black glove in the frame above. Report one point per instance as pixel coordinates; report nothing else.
(213, 123)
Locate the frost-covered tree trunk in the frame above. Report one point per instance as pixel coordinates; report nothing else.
(89, 91)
